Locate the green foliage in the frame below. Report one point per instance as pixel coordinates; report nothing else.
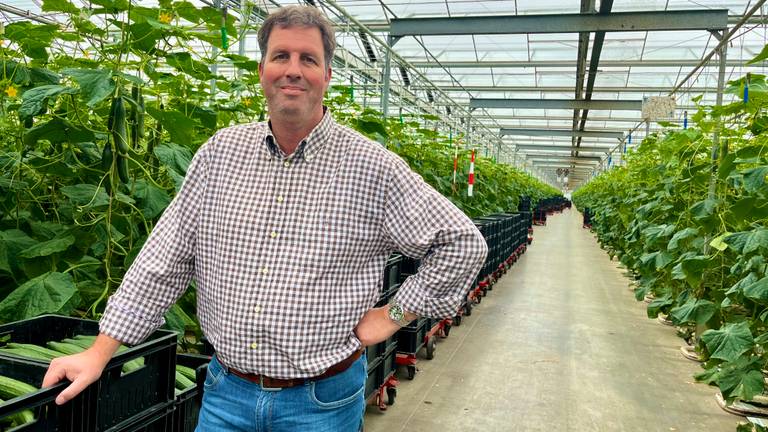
(712, 279)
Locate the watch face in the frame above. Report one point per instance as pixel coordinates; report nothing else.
(395, 312)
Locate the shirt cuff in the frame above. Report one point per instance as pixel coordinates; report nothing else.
(411, 297)
(125, 326)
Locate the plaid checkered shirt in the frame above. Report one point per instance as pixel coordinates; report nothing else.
(288, 252)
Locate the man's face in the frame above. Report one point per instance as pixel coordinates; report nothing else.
(293, 73)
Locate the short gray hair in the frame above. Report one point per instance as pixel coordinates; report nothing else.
(299, 16)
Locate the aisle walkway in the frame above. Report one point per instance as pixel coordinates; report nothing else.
(560, 344)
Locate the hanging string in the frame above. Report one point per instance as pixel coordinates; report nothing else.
(685, 119)
(746, 89)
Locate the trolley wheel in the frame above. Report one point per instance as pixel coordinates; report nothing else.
(457, 320)
(431, 344)
(411, 371)
(391, 395)
(468, 308)
(480, 297)
(446, 330)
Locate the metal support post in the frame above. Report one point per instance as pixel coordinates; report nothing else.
(386, 76)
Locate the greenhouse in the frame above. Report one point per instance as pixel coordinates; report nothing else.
(383, 215)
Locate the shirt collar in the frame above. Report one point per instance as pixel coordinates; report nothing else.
(310, 146)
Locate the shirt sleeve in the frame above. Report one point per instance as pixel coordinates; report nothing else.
(163, 268)
(424, 224)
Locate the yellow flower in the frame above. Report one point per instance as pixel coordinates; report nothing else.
(247, 102)
(11, 91)
(165, 17)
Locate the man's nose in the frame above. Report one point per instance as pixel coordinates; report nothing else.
(294, 67)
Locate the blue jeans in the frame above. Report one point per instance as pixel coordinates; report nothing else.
(334, 404)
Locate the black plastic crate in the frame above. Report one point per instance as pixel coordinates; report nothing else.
(410, 339)
(115, 398)
(388, 361)
(159, 419)
(188, 402)
(48, 415)
(392, 271)
(374, 380)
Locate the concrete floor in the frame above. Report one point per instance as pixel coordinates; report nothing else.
(559, 344)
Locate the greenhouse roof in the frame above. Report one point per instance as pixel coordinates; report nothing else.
(504, 62)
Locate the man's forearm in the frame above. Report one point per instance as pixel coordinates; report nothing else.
(105, 347)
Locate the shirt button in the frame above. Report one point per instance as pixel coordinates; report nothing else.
(264, 270)
(287, 164)
(273, 234)
(279, 199)
(257, 309)
(307, 158)
(254, 345)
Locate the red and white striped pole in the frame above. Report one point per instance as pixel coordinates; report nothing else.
(471, 174)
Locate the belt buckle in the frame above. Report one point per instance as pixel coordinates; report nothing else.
(264, 388)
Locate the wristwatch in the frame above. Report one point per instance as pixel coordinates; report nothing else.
(397, 314)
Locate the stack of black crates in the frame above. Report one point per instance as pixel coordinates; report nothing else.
(141, 400)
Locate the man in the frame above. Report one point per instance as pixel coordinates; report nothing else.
(286, 227)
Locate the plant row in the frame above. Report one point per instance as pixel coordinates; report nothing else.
(687, 216)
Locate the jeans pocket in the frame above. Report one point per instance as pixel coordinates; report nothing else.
(215, 372)
(342, 389)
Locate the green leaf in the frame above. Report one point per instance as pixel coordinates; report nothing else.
(748, 241)
(112, 6)
(683, 234)
(178, 125)
(691, 270)
(34, 100)
(760, 57)
(178, 320)
(57, 131)
(86, 195)
(742, 379)
(704, 209)
(184, 62)
(754, 178)
(144, 36)
(153, 199)
(33, 39)
(655, 306)
(95, 84)
(718, 242)
(758, 291)
(739, 286)
(59, 6)
(728, 342)
(174, 156)
(47, 293)
(49, 247)
(697, 311)
(749, 209)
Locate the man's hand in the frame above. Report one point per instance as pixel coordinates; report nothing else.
(82, 369)
(375, 326)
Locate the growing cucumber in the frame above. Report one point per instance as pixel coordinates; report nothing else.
(122, 169)
(119, 133)
(106, 157)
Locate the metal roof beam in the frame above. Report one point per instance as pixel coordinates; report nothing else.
(561, 63)
(706, 19)
(532, 157)
(561, 132)
(526, 148)
(561, 89)
(627, 105)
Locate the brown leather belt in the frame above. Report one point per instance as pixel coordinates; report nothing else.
(276, 383)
